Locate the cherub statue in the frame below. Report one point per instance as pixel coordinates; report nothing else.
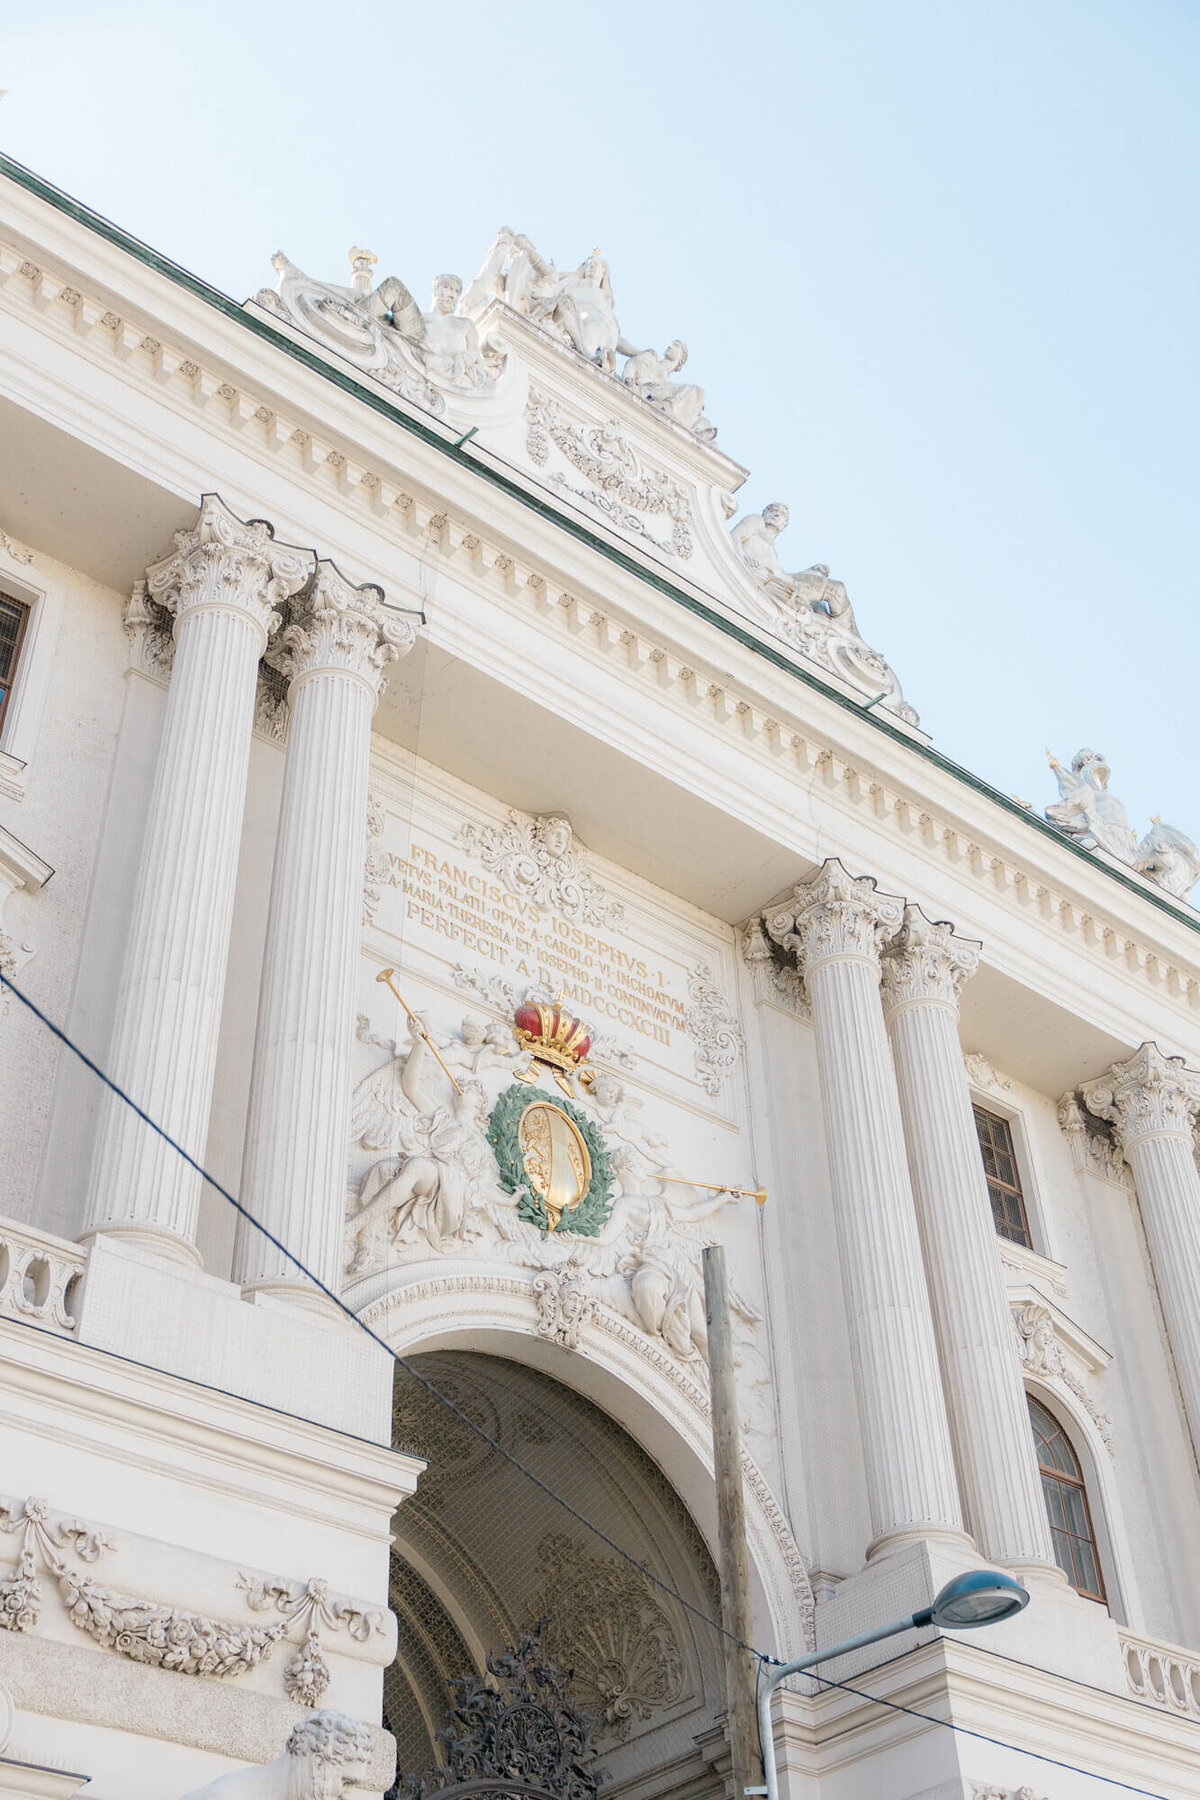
(482, 1045)
(1086, 810)
(324, 1753)
(649, 375)
(620, 1113)
(665, 1242)
(444, 1165)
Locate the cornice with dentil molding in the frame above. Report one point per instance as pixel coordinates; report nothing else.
(249, 419)
(229, 563)
(927, 961)
(1148, 1095)
(836, 914)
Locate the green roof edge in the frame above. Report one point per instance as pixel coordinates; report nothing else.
(211, 296)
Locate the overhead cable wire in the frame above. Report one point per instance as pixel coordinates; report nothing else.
(763, 1657)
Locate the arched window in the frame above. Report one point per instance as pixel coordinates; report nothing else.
(1066, 1504)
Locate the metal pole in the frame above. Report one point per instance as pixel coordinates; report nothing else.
(772, 1680)
(740, 1663)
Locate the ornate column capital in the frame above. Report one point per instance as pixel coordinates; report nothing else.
(927, 961)
(343, 628)
(1149, 1096)
(228, 564)
(835, 915)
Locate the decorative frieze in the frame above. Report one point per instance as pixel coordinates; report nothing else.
(165, 1636)
(623, 486)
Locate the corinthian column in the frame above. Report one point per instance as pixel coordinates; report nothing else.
(294, 1169)
(224, 584)
(836, 925)
(1152, 1101)
(924, 971)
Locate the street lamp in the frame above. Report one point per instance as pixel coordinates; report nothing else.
(981, 1597)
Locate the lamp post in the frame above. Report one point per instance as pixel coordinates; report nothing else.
(981, 1597)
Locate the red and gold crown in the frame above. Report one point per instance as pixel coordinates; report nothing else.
(552, 1035)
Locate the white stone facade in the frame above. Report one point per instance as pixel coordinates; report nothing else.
(373, 651)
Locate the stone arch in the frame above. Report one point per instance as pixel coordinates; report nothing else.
(659, 1402)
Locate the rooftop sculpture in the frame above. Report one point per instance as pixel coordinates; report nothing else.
(1087, 812)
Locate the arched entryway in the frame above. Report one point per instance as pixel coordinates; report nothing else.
(483, 1553)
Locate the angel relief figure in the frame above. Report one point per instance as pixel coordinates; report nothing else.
(649, 1255)
(439, 1163)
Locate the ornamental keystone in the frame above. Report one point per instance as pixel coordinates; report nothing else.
(836, 914)
(230, 564)
(927, 961)
(1146, 1096)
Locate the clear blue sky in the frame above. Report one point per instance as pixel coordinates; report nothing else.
(936, 266)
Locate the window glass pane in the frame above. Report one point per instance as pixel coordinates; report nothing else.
(1062, 1555)
(1055, 1509)
(11, 617)
(1085, 1563)
(1003, 1178)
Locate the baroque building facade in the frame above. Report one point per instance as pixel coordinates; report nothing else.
(430, 800)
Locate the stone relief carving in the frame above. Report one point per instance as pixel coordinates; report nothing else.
(564, 1304)
(148, 627)
(437, 1189)
(1043, 1354)
(651, 378)
(624, 487)
(983, 1792)
(814, 613)
(375, 865)
(17, 551)
(607, 1624)
(540, 860)
(169, 1637)
(308, 1607)
(1093, 1142)
(711, 1022)
(1087, 812)
(324, 1755)
(774, 977)
(981, 1073)
(383, 331)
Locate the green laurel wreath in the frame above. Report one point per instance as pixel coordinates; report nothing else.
(504, 1125)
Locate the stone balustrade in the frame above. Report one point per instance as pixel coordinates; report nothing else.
(1162, 1674)
(39, 1276)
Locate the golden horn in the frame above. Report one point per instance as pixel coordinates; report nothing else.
(386, 975)
(718, 1187)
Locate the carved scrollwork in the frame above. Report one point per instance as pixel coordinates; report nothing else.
(623, 486)
(540, 860)
(606, 1622)
(711, 1023)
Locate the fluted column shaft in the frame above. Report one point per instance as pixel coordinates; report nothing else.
(294, 1169)
(223, 583)
(924, 971)
(1152, 1101)
(836, 924)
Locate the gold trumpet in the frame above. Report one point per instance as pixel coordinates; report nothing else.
(718, 1187)
(386, 975)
